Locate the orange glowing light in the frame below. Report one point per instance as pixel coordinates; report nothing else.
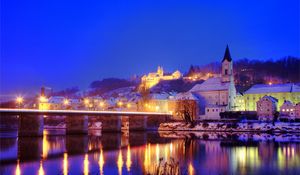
(86, 101)
(43, 99)
(120, 103)
(19, 100)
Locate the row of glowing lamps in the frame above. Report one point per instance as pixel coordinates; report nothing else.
(87, 103)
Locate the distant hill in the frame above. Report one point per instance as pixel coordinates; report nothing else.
(102, 86)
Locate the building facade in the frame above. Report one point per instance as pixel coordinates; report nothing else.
(266, 107)
(154, 78)
(287, 109)
(217, 94)
(282, 92)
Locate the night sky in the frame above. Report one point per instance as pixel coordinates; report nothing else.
(60, 43)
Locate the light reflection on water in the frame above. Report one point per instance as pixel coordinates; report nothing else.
(142, 152)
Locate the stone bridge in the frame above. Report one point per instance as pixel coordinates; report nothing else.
(31, 121)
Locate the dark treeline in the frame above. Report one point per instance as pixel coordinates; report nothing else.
(287, 69)
(101, 86)
(69, 92)
(249, 72)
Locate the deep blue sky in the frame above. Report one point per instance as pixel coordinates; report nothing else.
(60, 43)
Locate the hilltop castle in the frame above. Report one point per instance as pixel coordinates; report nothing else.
(153, 78)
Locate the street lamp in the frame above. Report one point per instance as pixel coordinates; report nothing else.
(120, 103)
(19, 101)
(66, 102)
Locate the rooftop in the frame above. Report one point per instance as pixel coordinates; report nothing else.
(211, 84)
(275, 88)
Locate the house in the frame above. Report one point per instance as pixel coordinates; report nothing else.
(287, 109)
(217, 94)
(297, 111)
(266, 107)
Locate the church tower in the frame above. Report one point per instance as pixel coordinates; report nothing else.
(227, 69)
(160, 71)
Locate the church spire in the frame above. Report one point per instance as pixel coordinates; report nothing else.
(227, 55)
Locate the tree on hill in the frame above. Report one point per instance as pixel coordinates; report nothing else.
(108, 84)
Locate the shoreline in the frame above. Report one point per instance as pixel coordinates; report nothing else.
(259, 127)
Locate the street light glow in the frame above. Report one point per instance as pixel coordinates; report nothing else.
(66, 102)
(120, 103)
(86, 101)
(43, 99)
(19, 100)
(101, 104)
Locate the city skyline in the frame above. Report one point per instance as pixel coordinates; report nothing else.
(120, 40)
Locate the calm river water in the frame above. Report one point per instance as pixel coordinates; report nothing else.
(140, 153)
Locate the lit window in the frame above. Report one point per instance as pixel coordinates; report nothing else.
(283, 110)
(287, 110)
(292, 109)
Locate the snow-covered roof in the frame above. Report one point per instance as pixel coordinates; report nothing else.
(186, 96)
(56, 99)
(160, 96)
(211, 84)
(287, 102)
(275, 88)
(272, 99)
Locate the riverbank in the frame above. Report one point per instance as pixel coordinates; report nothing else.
(278, 127)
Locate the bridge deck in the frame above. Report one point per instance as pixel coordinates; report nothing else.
(78, 112)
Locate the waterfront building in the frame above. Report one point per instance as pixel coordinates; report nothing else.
(153, 78)
(282, 92)
(239, 102)
(297, 110)
(217, 94)
(287, 109)
(266, 107)
(58, 102)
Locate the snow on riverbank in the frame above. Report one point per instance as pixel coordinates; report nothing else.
(232, 136)
(233, 127)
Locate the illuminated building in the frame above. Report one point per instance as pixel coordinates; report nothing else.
(282, 92)
(154, 78)
(217, 94)
(287, 109)
(266, 107)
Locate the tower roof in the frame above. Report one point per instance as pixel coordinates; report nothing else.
(227, 55)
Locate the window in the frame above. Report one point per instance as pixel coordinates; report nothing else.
(216, 103)
(213, 110)
(216, 110)
(207, 110)
(226, 71)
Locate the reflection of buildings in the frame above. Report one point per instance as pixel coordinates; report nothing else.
(194, 155)
(154, 78)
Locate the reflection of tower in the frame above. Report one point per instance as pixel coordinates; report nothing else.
(160, 71)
